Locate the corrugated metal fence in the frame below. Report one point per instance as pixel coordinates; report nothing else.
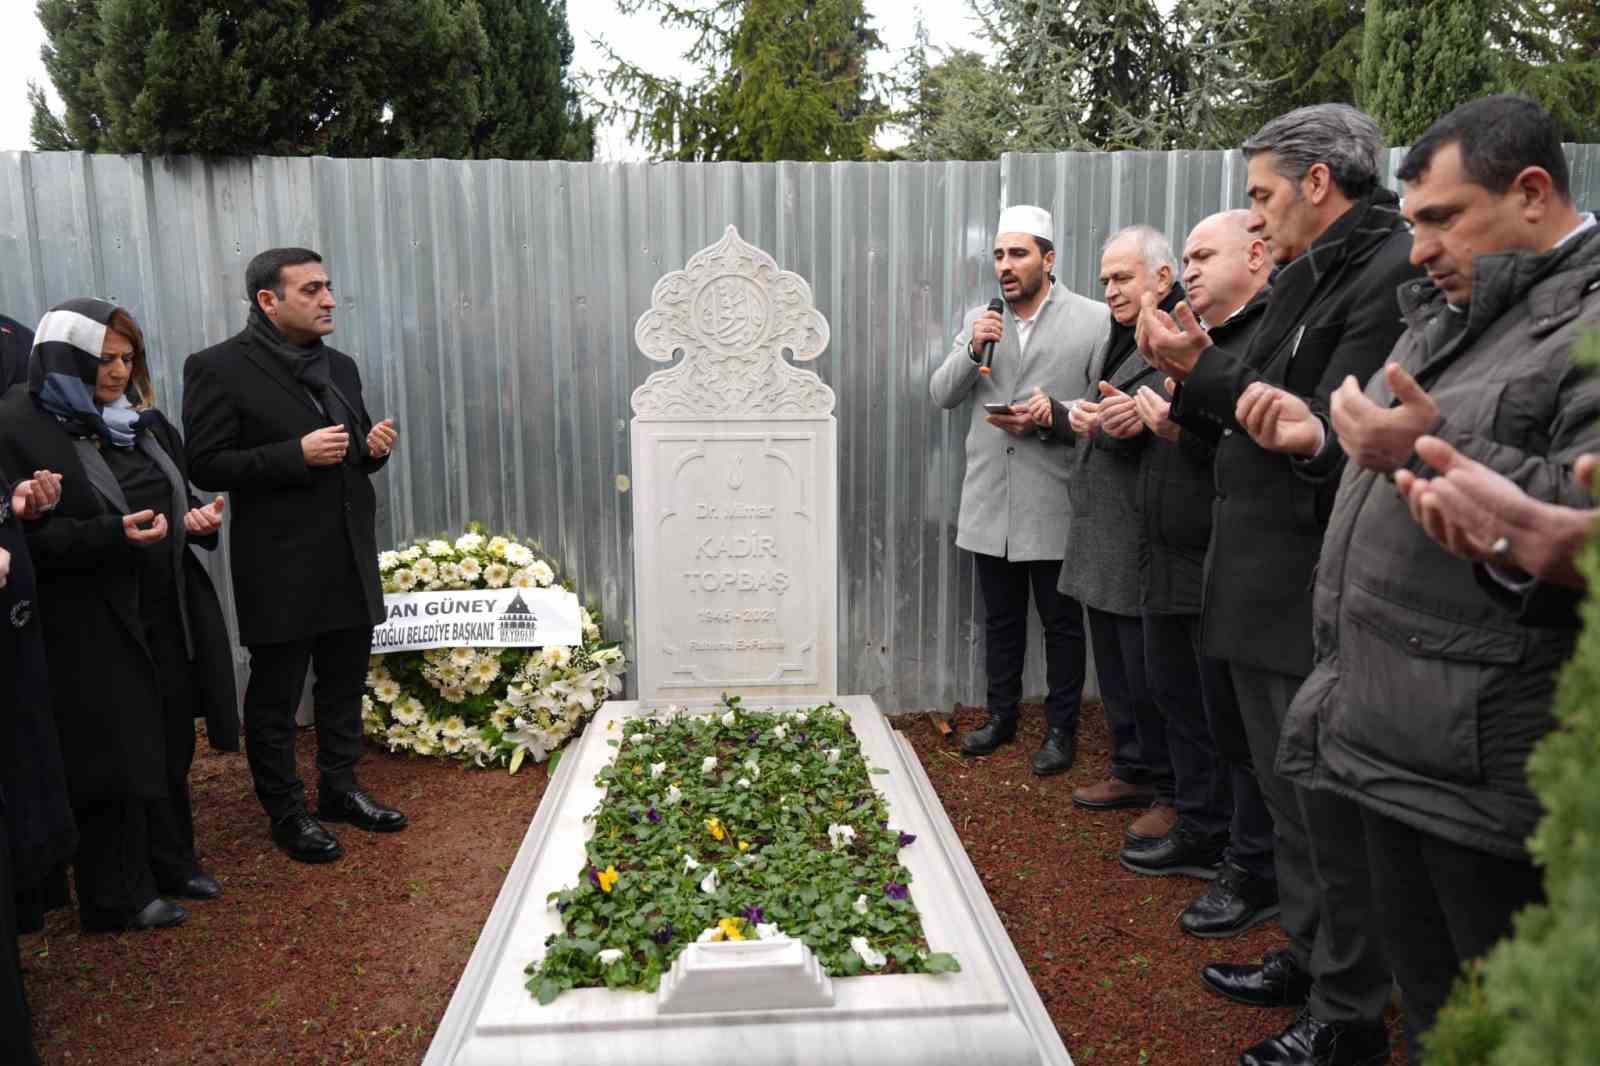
(491, 308)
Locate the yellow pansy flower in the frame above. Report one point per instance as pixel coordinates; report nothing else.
(744, 845)
(608, 878)
(714, 827)
(728, 929)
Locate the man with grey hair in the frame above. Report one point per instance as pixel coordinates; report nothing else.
(1104, 533)
(1013, 496)
(1315, 199)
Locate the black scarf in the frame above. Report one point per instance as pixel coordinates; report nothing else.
(1124, 342)
(309, 366)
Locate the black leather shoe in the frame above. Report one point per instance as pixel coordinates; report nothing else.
(1056, 754)
(198, 885)
(1237, 900)
(360, 810)
(302, 838)
(1182, 851)
(157, 914)
(1309, 1042)
(1276, 982)
(987, 738)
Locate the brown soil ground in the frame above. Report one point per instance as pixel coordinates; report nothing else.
(354, 962)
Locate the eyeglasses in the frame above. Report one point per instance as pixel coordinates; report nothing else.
(126, 360)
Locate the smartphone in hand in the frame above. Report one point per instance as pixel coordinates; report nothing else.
(998, 408)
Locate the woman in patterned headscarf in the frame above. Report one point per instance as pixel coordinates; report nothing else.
(131, 623)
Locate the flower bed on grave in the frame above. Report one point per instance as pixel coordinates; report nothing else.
(732, 826)
(492, 706)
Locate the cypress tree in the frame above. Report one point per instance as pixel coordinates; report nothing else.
(273, 77)
(1420, 58)
(529, 107)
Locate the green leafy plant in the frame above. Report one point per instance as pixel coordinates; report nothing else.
(736, 825)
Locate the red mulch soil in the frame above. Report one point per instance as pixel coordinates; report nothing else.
(354, 962)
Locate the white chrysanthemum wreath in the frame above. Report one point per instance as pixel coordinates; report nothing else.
(489, 706)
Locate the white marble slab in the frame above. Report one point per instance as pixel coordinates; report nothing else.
(735, 486)
(989, 1013)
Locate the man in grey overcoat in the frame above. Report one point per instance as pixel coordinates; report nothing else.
(1014, 508)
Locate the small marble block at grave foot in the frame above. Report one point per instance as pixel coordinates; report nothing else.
(736, 581)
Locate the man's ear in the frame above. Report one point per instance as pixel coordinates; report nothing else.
(1317, 184)
(1536, 192)
(267, 300)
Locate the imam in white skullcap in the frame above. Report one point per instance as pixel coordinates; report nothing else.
(1025, 218)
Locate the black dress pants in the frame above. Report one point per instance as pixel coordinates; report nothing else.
(277, 678)
(1324, 885)
(1202, 787)
(1005, 586)
(1138, 731)
(112, 869)
(16, 1028)
(171, 818)
(1442, 905)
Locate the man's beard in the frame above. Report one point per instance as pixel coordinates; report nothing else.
(1025, 290)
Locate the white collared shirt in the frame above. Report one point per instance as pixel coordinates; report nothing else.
(1025, 325)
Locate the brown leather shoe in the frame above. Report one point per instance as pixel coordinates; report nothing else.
(1112, 793)
(1152, 825)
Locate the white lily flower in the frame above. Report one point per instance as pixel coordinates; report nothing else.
(608, 956)
(872, 958)
(860, 905)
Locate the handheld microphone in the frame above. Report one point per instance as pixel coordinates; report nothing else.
(996, 305)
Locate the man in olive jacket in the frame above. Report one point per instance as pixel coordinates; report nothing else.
(1013, 516)
(1429, 693)
(276, 418)
(1338, 237)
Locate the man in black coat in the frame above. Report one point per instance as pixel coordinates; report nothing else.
(16, 340)
(1220, 807)
(276, 418)
(1315, 198)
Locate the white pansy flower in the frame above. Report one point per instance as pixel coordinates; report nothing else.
(728, 719)
(780, 731)
(840, 835)
(607, 956)
(387, 690)
(388, 560)
(657, 769)
(754, 767)
(543, 576)
(469, 542)
(769, 931)
(707, 936)
(871, 957)
(708, 764)
(438, 548)
(708, 883)
(833, 756)
(800, 717)
(674, 794)
(495, 575)
(743, 782)
(689, 865)
(404, 580)
(860, 905)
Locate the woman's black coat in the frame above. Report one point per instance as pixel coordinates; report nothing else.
(103, 682)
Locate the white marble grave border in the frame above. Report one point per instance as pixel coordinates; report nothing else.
(989, 1013)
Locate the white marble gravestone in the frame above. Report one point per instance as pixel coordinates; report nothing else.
(736, 568)
(734, 476)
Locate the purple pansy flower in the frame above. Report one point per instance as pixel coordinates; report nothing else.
(907, 838)
(594, 877)
(663, 935)
(755, 735)
(754, 915)
(653, 815)
(894, 890)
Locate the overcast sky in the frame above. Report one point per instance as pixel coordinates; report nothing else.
(638, 38)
